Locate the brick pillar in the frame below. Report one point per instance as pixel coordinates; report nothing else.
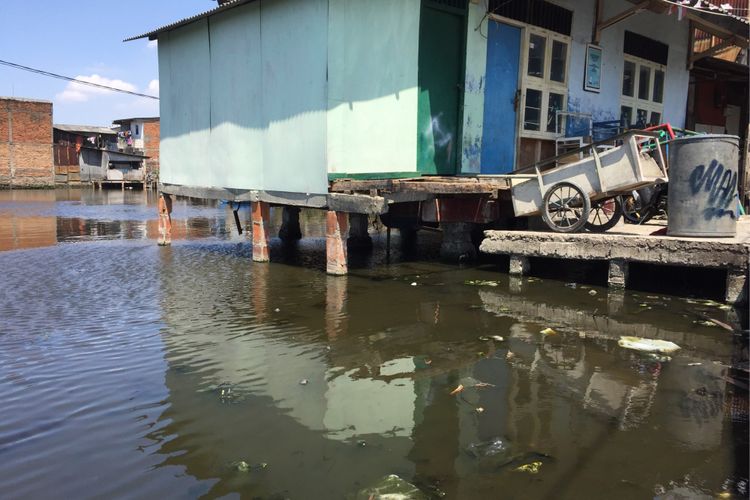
(164, 206)
(337, 228)
(261, 212)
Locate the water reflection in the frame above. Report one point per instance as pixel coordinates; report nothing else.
(340, 382)
(158, 370)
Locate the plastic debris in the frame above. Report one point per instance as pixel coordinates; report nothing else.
(391, 487)
(548, 331)
(695, 364)
(481, 283)
(479, 409)
(304, 381)
(648, 345)
(572, 285)
(592, 292)
(496, 338)
(414, 283)
(531, 468)
(491, 448)
(242, 466)
(277, 310)
(457, 390)
(509, 355)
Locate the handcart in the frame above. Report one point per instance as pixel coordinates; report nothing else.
(575, 195)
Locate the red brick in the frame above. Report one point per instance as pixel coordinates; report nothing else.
(26, 142)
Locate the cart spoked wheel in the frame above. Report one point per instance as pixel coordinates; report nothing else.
(566, 208)
(605, 214)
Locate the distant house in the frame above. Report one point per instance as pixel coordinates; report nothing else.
(397, 88)
(140, 136)
(25, 143)
(86, 153)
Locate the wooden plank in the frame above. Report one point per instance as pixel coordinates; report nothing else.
(357, 203)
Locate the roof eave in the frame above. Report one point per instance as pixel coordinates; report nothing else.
(154, 34)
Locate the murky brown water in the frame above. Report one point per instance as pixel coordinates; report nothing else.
(129, 370)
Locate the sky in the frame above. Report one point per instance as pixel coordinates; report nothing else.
(83, 39)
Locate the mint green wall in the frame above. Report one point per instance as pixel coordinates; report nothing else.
(372, 93)
(236, 139)
(476, 62)
(184, 107)
(248, 109)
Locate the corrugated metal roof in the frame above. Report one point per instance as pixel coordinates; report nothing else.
(86, 129)
(151, 35)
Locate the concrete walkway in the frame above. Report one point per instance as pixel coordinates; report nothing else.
(627, 243)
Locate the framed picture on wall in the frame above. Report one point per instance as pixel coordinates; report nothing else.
(592, 80)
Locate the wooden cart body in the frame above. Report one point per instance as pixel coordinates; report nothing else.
(604, 174)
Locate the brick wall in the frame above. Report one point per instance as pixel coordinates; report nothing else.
(26, 143)
(151, 145)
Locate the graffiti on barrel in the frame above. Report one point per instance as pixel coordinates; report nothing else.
(720, 184)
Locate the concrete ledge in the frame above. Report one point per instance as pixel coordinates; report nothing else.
(619, 249)
(694, 252)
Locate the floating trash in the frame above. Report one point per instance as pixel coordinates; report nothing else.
(492, 448)
(391, 487)
(592, 292)
(648, 345)
(481, 283)
(242, 466)
(457, 390)
(479, 409)
(532, 468)
(304, 381)
(496, 338)
(572, 285)
(548, 331)
(414, 283)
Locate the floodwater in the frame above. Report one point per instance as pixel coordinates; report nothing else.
(130, 370)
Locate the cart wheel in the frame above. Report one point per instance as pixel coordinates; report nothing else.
(605, 214)
(566, 208)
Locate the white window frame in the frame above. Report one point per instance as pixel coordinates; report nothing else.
(635, 103)
(544, 84)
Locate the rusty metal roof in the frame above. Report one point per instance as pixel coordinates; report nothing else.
(84, 129)
(153, 34)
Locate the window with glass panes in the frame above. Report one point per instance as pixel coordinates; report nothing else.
(642, 101)
(544, 81)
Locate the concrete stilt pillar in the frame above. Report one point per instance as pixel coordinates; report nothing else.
(515, 284)
(457, 244)
(737, 283)
(260, 214)
(336, 231)
(290, 230)
(164, 206)
(359, 238)
(618, 273)
(519, 265)
(615, 301)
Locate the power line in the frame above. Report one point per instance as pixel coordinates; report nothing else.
(69, 79)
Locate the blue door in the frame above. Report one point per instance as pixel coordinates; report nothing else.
(501, 85)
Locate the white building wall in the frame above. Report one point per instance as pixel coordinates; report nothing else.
(606, 104)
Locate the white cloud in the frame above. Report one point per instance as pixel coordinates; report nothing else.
(78, 92)
(152, 44)
(153, 87)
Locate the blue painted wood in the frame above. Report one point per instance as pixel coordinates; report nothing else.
(501, 83)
